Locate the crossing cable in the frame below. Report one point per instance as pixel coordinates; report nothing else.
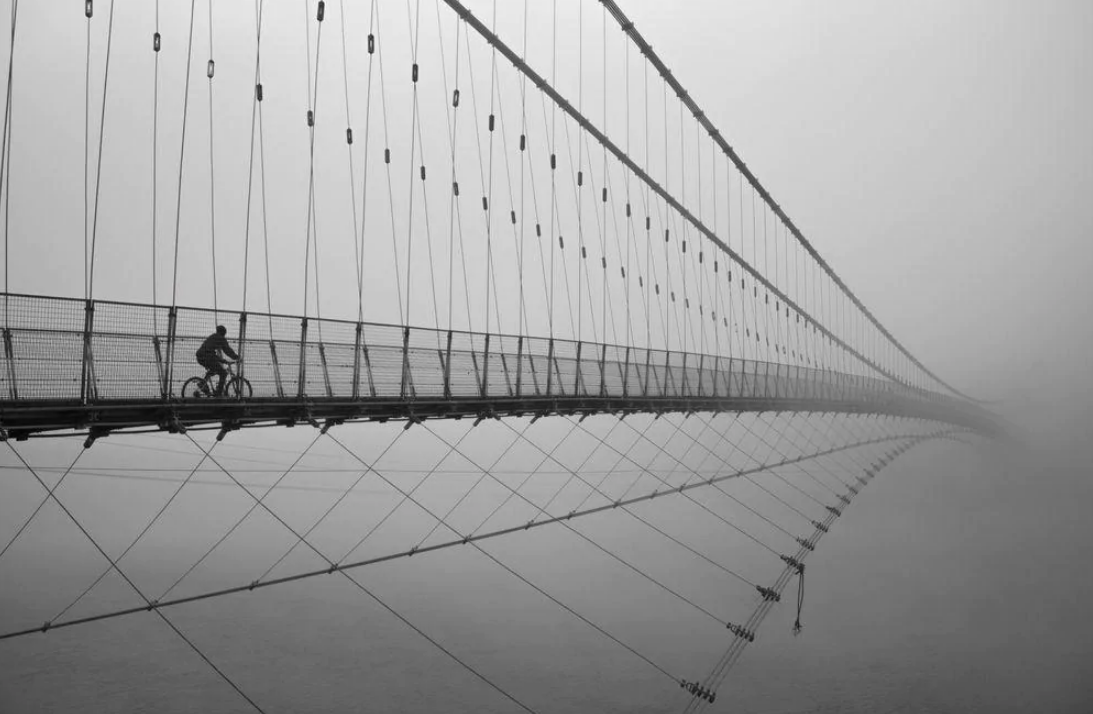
(360, 586)
(583, 122)
(481, 477)
(783, 433)
(616, 502)
(760, 468)
(135, 540)
(247, 587)
(651, 56)
(638, 472)
(239, 521)
(114, 566)
(369, 468)
(716, 678)
(406, 496)
(711, 452)
(5, 149)
(690, 498)
(533, 472)
(43, 502)
(102, 133)
(520, 434)
(784, 480)
(543, 592)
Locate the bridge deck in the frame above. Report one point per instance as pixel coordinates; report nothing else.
(106, 365)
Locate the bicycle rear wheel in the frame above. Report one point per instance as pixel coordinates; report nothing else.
(195, 388)
(238, 388)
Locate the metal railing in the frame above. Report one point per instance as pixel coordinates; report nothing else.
(94, 352)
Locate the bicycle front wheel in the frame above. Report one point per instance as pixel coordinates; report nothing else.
(239, 388)
(195, 388)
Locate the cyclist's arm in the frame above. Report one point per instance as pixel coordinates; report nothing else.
(227, 349)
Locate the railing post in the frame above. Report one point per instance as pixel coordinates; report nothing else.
(603, 376)
(326, 370)
(577, 377)
(169, 365)
(448, 368)
(550, 366)
(9, 353)
(519, 363)
(685, 385)
(626, 374)
(645, 379)
(242, 343)
(357, 362)
(302, 385)
(701, 365)
(405, 362)
(667, 372)
(276, 369)
(87, 373)
(486, 368)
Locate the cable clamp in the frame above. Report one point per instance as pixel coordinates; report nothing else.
(152, 605)
(835, 511)
(46, 625)
(698, 690)
(820, 526)
(768, 594)
(793, 563)
(805, 544)
(741, 632)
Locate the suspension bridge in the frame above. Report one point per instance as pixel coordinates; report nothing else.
(510, 215)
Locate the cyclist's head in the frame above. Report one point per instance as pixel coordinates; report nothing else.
(221, 330)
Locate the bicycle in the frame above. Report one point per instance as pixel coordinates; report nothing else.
(235, 386)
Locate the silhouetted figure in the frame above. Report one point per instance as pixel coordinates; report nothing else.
(208, 355)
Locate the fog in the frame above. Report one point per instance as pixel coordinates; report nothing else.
(936, 154)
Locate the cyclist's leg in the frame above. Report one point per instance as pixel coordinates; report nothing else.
(212, 366)
(223, 374)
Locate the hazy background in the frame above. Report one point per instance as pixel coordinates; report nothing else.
(938, 156)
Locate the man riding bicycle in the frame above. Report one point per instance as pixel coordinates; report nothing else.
(208, 356)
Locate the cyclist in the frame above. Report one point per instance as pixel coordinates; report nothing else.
(208, 356)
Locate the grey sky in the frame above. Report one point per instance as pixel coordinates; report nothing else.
(935, 155)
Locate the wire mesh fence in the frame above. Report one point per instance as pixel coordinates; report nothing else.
(58, 349)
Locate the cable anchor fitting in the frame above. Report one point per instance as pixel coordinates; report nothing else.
(768, 594)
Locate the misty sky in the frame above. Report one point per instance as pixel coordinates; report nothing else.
(938, 154)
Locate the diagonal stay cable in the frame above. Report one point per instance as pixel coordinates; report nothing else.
(406, 495)
(690, 498)
(345, 494)
(334, 568)
(148, 603)
(439, 546)
(49, 494)
(479, 548)
(136, 540)
(615, 503)
(725, 465)
(239, 521)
